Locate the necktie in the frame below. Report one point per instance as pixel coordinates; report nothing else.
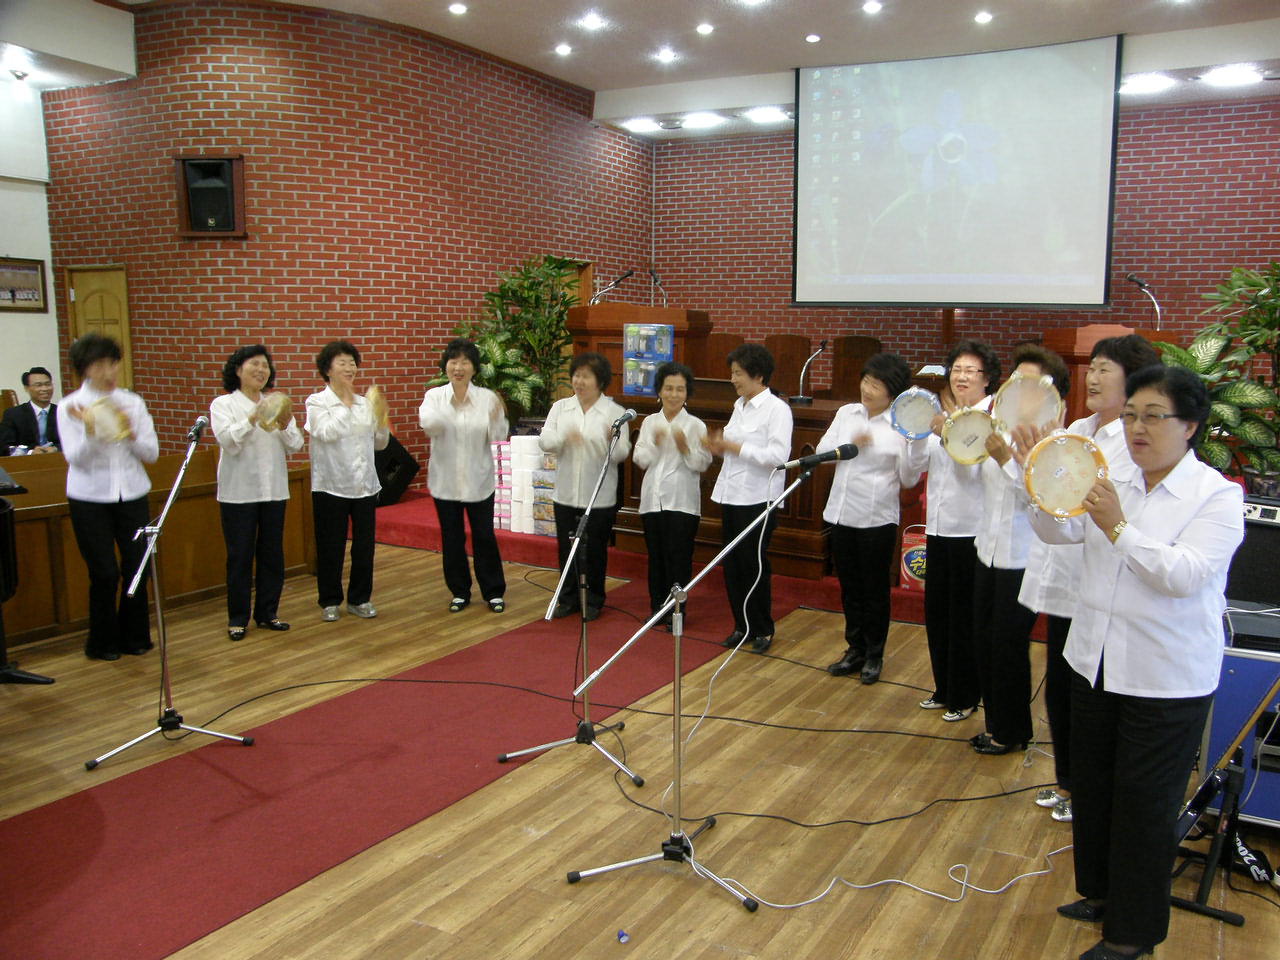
(40, 420)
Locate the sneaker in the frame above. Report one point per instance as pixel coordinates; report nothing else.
(1048, 797)
(928, 703)
(329, 614)
(365, 610)
(951, 716)
(1062, 811)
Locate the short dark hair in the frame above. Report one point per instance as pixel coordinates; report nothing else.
(1131, 352)
(460, 347)
(754, 359)
(891, 370)
(27, 376)
(597, 363)
(91, 348)
(231, 369)
(1048, 362)
(990, 362)
(1185, 391)
(330, 352)
(673, 369)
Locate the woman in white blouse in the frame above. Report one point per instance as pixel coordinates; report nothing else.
(107, 435)
(577, 431)
(253, 485)
(862, 509)
(671, 452)
(462, 420)
(345, 430)
(1145, 649)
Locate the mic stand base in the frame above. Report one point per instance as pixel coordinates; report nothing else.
(169, 720)
(9, 673)
(800, 401)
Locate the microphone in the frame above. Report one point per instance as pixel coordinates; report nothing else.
(1133, 278)
(846, 451)
(623, 277)
(654, 277)
(625, 418)
(197, 428)
(609, 286)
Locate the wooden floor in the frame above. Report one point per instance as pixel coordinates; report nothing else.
(486, 878)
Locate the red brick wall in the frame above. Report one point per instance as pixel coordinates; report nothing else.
(1197, 192)
(389, 178)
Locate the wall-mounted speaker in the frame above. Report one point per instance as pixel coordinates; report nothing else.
(210, 194)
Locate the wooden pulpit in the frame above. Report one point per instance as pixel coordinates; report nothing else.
(599, 328)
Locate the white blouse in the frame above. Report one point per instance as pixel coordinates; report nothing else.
(671, 477)
(252, 466)
(1150, 611)
(107, 472)
(343, 440)
(578, 465)
(953, 493)
(461, 463)
(763, 426)
(865, 491)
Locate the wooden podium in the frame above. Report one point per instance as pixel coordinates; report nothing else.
(1074, 344)
(599, 328)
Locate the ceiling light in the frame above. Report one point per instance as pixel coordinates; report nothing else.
(19, 74)
(563, 49)
(592, 21)
(457, 9)
(640, 125)
(1141, 83)
(812, 38)
(670, 124)
(982, 16)
(705, 28)
(702, 121)
(1232, 75)
(872, 6)
(766, 115)
(666, 55)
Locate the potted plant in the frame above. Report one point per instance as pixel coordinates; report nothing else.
(1227, 354)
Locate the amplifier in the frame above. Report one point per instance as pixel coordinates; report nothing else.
(1254, 575)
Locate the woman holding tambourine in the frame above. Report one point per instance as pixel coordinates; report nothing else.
(863, 509)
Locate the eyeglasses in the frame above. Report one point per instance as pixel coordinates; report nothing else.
(1148, 419)
(968, 371)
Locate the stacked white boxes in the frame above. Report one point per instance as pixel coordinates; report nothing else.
(502, 485)
(532, 480)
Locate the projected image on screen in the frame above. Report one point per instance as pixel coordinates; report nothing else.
(982, 179)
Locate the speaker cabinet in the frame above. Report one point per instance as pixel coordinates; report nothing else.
(1254, 575)
(396, 469)
(210, 196)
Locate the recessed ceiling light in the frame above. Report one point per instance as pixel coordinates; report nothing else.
(641, 125)
(457, 9)
(1141, 83)
(666, 55)
(705, 28)
(702, 121)
(766, 115)
(1232, 75)
(592, 21)
(872, 6)
(982, 16)
(19, 74)
(563, 49)
(812, 38)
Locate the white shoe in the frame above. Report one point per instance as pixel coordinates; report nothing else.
(928, 703)
(365, 610)
(329, 614)
(1048, 797)
(1062, 811)
(951, 716)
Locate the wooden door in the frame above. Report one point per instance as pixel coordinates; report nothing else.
(98, 301)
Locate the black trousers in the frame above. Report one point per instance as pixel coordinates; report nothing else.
(753, 615)
(948, 620)
(101, 529)
(668, 538)
(484, 548)
(1131, 758)
(863, 557)
(253, 531)
(592, 556)
(331, 515)
(1002, 649)
(1057, 697)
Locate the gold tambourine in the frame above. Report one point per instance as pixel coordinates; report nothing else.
(1060, 471)
(104, 421)
(964, 435)
(274, 411)
(1027, 402)
(912, 412)
(377, 405)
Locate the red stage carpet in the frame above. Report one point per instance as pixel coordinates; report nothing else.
(142, 865)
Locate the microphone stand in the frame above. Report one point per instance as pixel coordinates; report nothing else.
(679, 847)
(596, 297)
(586, 731)
(169, 719)
(800, 400)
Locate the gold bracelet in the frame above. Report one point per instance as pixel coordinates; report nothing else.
(1115, 531)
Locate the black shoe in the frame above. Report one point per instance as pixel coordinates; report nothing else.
(760, 644)
(235, 633)
(1100, 951)
(732, 640)
(1083, 910)
(871, 671)
(275, 623)
(139, 649)
(563, 610)
(592, 612)
(847, 665)
(102, 655)
(993, 749)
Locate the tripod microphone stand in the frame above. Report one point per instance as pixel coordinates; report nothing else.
(679, 847)
(169, 719)
(586, 731)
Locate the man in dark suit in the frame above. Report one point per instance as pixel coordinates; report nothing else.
(33, 424)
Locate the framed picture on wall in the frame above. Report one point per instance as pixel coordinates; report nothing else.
(22, 286)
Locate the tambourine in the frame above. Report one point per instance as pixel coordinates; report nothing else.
(964, 435)
(274, 411)
(1027, 402)
(104, 421)
(1060, 471)
(912, 412)
(377, 405)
